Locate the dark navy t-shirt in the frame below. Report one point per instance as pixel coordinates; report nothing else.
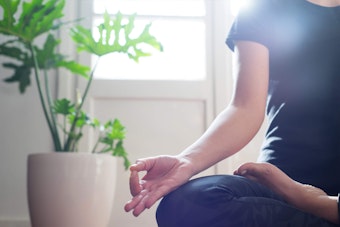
(303, 105)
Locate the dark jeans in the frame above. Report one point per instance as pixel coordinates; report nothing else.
(226, 200)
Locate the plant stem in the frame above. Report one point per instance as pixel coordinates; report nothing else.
(95, 146)
(41, 96)
(88, 85)
(64, 128)
(78, 108)
(52, 115)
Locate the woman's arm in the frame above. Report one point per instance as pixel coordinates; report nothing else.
(305, 197)
(229, 132)
(240, 121)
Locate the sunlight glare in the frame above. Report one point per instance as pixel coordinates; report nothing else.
(236, 5)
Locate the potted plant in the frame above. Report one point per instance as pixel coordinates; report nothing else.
(23, 26)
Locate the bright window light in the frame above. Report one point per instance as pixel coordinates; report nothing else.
(180, 27)
(191, 8)
(236, 5)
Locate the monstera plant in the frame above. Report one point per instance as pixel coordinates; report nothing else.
(30, 46)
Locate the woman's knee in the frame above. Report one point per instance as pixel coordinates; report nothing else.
(198, 197)
(202, 191)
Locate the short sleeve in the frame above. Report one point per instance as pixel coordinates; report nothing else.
(252, 23)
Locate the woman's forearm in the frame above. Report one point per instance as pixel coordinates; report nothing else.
(228, 134)
(239, 122)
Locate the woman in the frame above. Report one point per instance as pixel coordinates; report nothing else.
(287, 66)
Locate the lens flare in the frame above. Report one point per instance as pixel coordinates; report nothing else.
(236, 5)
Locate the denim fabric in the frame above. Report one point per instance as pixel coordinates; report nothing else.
(226, 200)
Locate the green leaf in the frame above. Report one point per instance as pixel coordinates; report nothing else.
(22, 66)
(128, 28)
(39, 17)
(110, 33)
(83, 38)
(21, 75)
(115, 129)
(75, 67)
(81, 120)
(9, 49)
(119, 151)
(9, 7)
(63, 106)
(48, 58)
(106, 140)
(96, 122)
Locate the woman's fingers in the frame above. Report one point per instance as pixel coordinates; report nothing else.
(157, 194)
(140, 207)
(139, 203)
(132, 204)
(143, 164)
(146, 199)
(135, 183)
(135, 186)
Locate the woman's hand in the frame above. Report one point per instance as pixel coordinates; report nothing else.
(270, 176)
(305, 197)
(163, 175)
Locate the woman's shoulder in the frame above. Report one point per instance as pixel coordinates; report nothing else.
(276, 4)
(275, 8)
(268, 5)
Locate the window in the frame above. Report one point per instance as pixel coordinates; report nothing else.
(181, 28)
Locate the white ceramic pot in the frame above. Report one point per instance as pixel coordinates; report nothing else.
(70, 189)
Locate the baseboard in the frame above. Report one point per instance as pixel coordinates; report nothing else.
(14, 223)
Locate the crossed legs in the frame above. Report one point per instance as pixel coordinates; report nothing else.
(227, 200)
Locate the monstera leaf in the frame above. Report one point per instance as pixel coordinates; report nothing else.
(37, 17)
(110, 33)
(47, 58)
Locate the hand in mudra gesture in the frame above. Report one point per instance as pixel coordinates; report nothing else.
(163, 175)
